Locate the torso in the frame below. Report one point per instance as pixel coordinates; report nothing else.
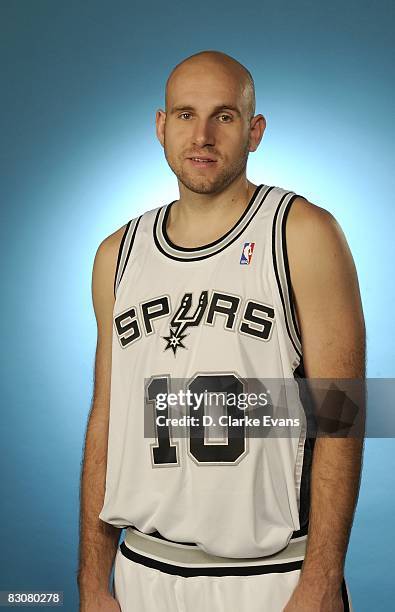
(202, 318)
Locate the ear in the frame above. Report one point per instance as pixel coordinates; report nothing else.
(257, 127)
(160, 125)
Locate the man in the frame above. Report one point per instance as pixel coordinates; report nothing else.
(233, 281)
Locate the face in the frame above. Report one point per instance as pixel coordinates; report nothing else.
(207, 117)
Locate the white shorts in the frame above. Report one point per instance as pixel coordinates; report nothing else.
(152, 574)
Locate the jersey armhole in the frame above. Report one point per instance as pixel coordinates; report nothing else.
(282, 272)
(125, 249)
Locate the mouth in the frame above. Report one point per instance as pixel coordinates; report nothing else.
(203, 162)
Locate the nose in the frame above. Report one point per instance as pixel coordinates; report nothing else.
(203, 133)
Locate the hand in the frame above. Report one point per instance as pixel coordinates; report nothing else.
(312, 598)
(100, 602)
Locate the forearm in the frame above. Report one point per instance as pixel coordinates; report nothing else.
(335, 482)
(98, 540)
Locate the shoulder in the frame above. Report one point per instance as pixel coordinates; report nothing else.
(109, 249)
(313, 231)
(305, 216)
(106, 259)
(109, 246)
(320, 261)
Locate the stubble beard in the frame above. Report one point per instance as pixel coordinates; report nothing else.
(206, 184)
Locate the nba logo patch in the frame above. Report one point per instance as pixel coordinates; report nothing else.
(246, 253)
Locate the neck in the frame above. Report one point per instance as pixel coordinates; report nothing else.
(237, 193)
(196, 219)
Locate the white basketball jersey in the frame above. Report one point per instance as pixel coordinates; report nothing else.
(206, 318)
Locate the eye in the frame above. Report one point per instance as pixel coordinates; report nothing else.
(228, 116)
(184, 114)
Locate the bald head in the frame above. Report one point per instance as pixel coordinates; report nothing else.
(216, 60)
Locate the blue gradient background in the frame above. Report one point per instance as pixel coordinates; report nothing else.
(80, 84)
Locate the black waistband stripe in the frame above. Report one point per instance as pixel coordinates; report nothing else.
(178, 570)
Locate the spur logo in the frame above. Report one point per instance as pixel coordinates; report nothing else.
(232, 313)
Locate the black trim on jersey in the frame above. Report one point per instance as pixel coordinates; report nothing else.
(276, 266)
(300, 532)
(300, 371)
(308, 450)
(187, 572)
(345, 599)
(286, 265)
(120, 255)
(210, 244)
(155, 534)
(130, 247)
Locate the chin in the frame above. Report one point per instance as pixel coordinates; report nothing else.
(199, 184)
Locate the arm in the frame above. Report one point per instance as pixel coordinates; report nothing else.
(329, 311)
(98, 540)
